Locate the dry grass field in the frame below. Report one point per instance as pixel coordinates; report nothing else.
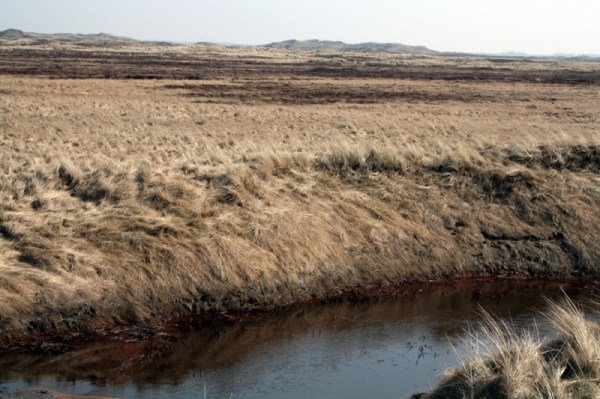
(140, 181)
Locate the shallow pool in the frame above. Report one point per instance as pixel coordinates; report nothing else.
(380, 348)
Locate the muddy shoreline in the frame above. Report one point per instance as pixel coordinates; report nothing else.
(157, 336)
(190, 349)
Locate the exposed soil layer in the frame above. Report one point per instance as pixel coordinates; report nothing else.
(122, 65)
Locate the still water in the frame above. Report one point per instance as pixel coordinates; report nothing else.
(381, 348)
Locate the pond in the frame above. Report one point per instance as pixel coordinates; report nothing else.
(388, 346)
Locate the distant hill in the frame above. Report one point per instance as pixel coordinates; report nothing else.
(369, 47)
(13, 34)
(341, 46)
(395, 48)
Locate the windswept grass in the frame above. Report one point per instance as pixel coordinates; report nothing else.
(121, 201)
(509, 364)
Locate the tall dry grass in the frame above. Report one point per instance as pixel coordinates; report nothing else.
(121, 201)
(511, 364)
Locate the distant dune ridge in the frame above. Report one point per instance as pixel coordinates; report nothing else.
(341, 46)
(19, 34)
(13, 34)
(309, 45)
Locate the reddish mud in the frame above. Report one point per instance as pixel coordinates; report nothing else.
(137, 345)
(44, 393)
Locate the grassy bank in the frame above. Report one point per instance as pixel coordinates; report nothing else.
(122, 201)
(106, 240)
(508, 364)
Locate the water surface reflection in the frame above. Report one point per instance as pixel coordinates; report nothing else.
(385, 348)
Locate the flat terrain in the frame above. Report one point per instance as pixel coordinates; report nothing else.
(145, 180)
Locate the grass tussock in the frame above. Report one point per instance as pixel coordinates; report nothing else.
(344, 162)
(508, 364)
(118, 206)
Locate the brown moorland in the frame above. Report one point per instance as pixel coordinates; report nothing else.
(144, 180)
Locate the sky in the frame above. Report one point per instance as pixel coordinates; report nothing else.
(491, 26)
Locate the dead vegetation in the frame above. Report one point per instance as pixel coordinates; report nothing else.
(509, 364)
(123, 200)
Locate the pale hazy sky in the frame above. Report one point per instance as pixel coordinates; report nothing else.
(533, 26)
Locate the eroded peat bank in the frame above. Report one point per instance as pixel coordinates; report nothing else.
(141, 181)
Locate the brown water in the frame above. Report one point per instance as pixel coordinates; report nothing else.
(381, 348)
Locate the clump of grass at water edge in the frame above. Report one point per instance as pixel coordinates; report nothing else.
(510, 364)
